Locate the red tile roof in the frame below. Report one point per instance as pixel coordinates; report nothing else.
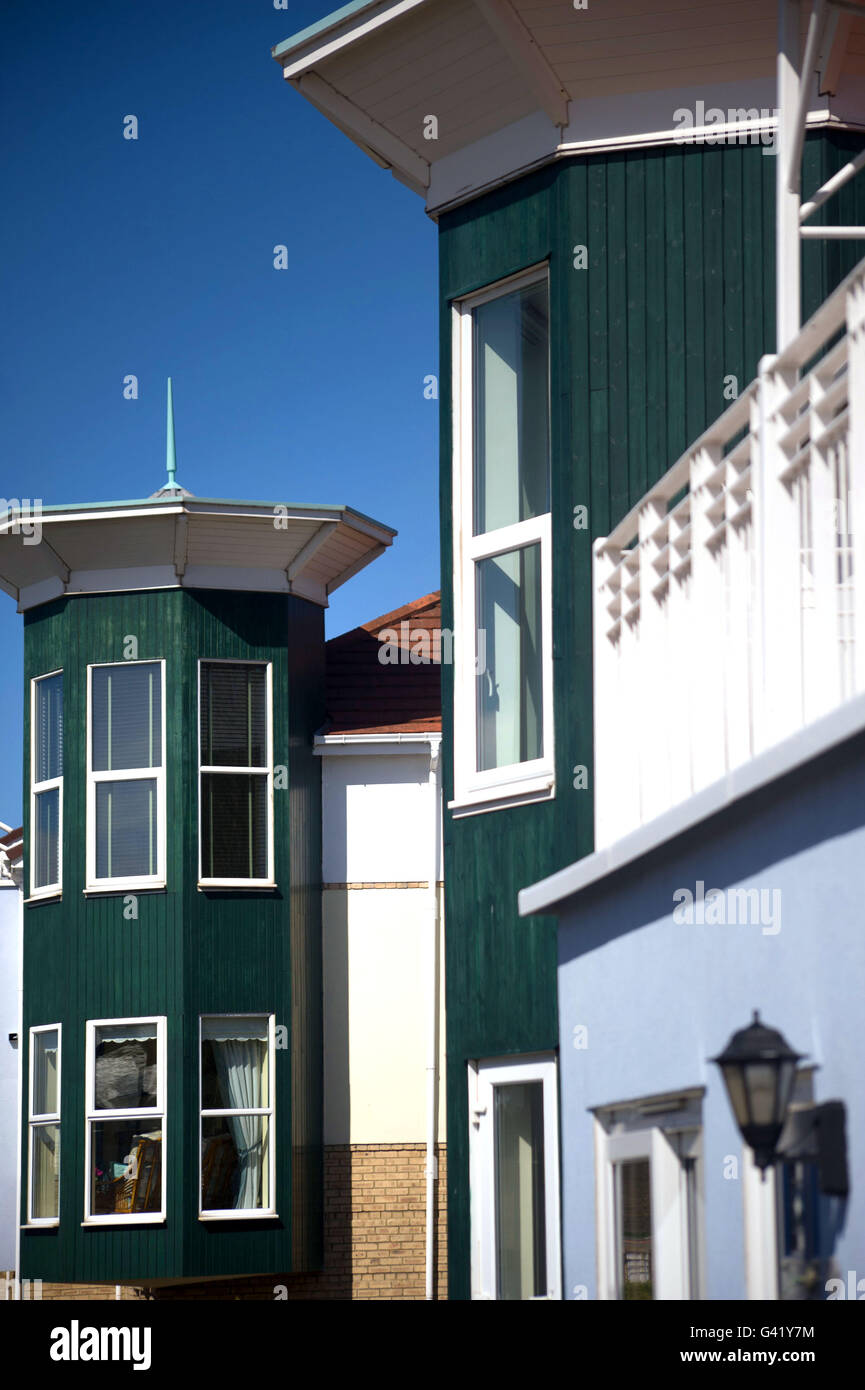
(373, 685)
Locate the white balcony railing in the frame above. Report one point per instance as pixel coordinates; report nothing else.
(730, 602)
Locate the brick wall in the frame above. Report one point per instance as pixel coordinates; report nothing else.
(88, 1293)
(374, 1236)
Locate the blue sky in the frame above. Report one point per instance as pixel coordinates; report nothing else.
(155, 257)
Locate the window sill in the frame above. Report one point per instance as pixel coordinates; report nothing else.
(238, 1216)
(134, 1218)
(230, 885)
(46, 1225)
(118, 889)
(508, 794)
(53, 897)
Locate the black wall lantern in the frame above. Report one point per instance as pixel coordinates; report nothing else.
(759, 1069)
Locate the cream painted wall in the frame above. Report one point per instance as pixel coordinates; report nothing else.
(378, 827)
(375, 1016)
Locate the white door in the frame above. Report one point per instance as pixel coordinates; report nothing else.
(514, 1177)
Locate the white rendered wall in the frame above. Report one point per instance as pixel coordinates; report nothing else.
(378, 828)
(377, 819)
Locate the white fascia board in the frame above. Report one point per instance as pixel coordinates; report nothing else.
(119, 513)
(31, 595)
(504, 155)
(353, 745)
(246, 577)
(366, 527)
(627, 120)
(122, 580)
(354, 29)
(802, 747)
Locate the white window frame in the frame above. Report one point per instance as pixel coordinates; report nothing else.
(157, 880)
(269, 880)
(483, 1076)
(48, 890)
(268, 1112)
(144, 1113)
(518, 782)
(37, 1120)
(671, 1249)
(761, 1228)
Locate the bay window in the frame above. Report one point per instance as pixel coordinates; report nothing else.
(125, 1168)
(126, 775)
(503, 714)
(237, 1139)
(235, 774)
(46, 776)
(44, 1123)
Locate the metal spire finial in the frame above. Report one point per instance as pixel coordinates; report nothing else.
(170, 450)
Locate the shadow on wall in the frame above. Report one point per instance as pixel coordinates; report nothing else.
(817, 803)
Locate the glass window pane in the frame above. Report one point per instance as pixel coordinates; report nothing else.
(233, 825)
(126, 829)
(520, 1201)
(511, 409)
(125, 1066)
(49, 729)
(45, 1172)
(234, 1071)
(233, 715)
(125, 1167)
(234, 1163)
(127, 716)
(634, 1225)
(509, 659)
(46, 838)
(45, 1073)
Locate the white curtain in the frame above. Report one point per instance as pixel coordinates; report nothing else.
(46, 1170)
(45, 1099)
(240, 1065)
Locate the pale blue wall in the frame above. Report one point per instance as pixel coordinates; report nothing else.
(658, 999)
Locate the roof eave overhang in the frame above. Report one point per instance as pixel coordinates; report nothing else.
(335, 32)
(557, 127)
(303, 568)
(300, 55)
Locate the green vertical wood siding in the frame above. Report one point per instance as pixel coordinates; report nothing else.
(679, 294)
(190, 952)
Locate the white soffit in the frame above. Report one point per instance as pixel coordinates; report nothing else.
(513, 83)
(194, 543)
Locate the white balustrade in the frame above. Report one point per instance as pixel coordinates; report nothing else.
(729, 604)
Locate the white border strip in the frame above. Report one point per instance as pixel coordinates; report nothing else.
(803, 746)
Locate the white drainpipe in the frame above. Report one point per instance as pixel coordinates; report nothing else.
(19, 1175)
(432, 974)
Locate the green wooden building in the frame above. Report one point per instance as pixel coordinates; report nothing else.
(604, 182)
(172, 1048)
